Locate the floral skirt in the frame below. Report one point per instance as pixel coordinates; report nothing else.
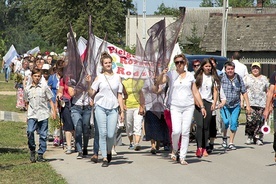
(20, 98)
(254, 123)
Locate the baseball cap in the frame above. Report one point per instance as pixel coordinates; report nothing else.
(256, 64)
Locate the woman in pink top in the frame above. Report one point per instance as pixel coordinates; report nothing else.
(68, 126)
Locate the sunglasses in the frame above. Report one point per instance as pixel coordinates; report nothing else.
(179, 62)
(196, 65)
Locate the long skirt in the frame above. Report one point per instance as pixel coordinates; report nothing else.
(156, 128)
(254, 123)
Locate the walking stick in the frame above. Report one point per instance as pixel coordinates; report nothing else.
(60, 122)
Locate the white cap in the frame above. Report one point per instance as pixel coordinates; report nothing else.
(52, 53)
(25, 55)
(45, 67)
(64, 48)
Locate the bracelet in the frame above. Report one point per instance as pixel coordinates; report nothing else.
(202, 107)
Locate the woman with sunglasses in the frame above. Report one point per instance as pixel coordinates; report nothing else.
(182, 91)
(207, 83)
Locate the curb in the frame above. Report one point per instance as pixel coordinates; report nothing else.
(12, 116)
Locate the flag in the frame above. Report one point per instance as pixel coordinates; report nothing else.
(82, 47)
(10, 56)
(74, 67)
(34, 51)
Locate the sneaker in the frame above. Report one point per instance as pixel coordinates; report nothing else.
(224, 142)
(131, 146)
(40, 158)
(232, 147)
(105, 163)
(32, 157)
(56, 142)
(80, 155)
(114, 153)
(137, 147)
(68, 150)
(144, 138)
(259, 142)
(248, 140)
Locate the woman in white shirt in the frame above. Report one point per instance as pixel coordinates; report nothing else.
(207, 82)
(107, 94)
(181, 104)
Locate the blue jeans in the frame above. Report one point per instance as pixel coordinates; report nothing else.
(96, 137)
(107, 121)
(230, 117)
(42, 126)
(81, 120)
(7, 71)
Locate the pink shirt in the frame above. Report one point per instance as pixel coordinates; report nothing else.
(65, 89)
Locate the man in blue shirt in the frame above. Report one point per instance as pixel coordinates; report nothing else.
(233, 86)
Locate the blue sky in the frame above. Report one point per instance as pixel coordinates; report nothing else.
(152, 5)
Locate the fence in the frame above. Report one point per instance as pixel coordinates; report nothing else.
(268, 64)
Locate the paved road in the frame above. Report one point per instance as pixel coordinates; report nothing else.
(248, 164)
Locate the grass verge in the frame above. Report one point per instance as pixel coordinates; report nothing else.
(6, 86)
(8, 103)
(15, 166)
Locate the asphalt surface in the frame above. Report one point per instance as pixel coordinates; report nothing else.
(248, 164)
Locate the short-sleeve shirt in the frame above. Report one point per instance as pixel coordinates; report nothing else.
(65, 89)
(108, 88)
(256, 88)
(232, 90)
(53, 82)
(38, 98)
(180, 94)
(133, 89)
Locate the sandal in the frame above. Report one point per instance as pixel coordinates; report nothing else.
(94, 158)
(174, 157)
(183, 162)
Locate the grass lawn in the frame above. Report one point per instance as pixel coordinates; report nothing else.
(6, 86)
(15, 166)
(8, 103)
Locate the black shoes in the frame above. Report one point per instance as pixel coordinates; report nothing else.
(41, 159)
(109, 157)
(85, 152)
(80, 155)
(105, 163)
(210, 148)
(32, 157)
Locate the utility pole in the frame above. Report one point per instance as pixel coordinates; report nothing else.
(224, 28)
(144, 23)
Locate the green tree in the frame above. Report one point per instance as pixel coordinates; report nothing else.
(164, 10)
(28, 23)
(192, 45)
(206, 3)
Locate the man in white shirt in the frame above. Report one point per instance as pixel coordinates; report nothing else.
(240, 68)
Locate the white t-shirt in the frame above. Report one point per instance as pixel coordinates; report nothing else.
(206, 88)
(180, 94)
(106, 97)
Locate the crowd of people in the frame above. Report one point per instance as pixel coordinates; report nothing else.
(167, 105)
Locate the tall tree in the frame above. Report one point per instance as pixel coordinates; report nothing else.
(48, 21)
(206, 3)
(164, 10)
(193, 42)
